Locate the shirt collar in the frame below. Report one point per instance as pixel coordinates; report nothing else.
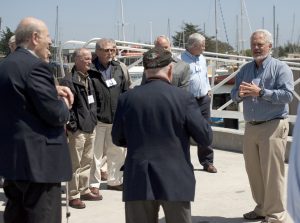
(32, 52)
(266, 61)
(190, 55)
(100, 67)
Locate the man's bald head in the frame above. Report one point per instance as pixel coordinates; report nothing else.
(33, 34)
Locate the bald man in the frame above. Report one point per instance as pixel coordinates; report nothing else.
(181, 70)
(34, 156)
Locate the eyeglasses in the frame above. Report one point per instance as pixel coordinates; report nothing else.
(108, 50)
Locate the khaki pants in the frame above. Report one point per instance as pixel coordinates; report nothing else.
(264, 149)
(115, 157)
(81, 147)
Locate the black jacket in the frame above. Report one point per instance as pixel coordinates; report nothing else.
(33, 144)
(155, 121)
(83, 115)
(107, 97)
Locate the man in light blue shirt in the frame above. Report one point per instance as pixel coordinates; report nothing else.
(200, 88)
(265, 87)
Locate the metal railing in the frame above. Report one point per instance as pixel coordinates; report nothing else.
(213, 59)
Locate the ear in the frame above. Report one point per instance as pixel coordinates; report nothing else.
(170, 72)
(34, 38)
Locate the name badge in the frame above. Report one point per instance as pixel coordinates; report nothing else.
(111, 82)
(91, 99)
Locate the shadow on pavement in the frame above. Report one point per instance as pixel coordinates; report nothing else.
(211, 219)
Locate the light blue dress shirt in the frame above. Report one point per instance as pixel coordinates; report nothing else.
(293, 198)
(199, 82)
(277, 79)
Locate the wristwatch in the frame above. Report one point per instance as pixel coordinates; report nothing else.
(261, 92)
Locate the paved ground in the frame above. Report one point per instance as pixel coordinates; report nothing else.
(220, 198)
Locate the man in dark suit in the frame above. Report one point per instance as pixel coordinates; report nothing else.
(155, 121)
(34, 156)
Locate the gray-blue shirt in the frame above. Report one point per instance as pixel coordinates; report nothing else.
(199, 82)
(277, 80)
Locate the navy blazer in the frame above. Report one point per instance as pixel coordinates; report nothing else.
(155, 122)
(33, 145)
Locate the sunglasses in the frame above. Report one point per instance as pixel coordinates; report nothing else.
(108, 50)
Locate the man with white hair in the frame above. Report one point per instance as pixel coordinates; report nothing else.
(265, 87)
(200, 88)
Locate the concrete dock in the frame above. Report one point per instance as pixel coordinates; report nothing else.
(220, 198)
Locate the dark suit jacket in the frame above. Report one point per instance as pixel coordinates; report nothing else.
(33, 145)
(155, 121)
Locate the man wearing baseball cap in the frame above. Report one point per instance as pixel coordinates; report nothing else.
(155, 121)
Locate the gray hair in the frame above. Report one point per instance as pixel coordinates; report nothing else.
(194, 39)
(100, 43)
(78, 52)
(267, 35)
(25, 30)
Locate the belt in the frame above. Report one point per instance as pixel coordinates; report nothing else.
(261, 122)
(256, 122)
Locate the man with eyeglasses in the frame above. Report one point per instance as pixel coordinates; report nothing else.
(265, 86)
(200, 88)
(109, 82)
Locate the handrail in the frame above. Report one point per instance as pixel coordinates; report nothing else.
(210, 56)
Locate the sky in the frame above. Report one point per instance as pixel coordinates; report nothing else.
(145, 19)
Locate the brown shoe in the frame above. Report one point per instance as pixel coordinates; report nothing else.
(76, 203)
(104, 175)
(210, 168)
(91, 197)
(116, 187)
(95, 190)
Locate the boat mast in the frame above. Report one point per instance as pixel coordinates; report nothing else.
(216, 26)
(123, 22)
(56, 43)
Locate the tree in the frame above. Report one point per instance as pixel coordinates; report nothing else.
(4, 38)
(283, 51)
(180, 39)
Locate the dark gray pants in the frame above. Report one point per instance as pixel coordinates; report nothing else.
(30, 202)
(205, 154)
(147, 211)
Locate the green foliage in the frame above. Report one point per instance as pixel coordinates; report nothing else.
(180, 39)
(283, 51)
(4, 38)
